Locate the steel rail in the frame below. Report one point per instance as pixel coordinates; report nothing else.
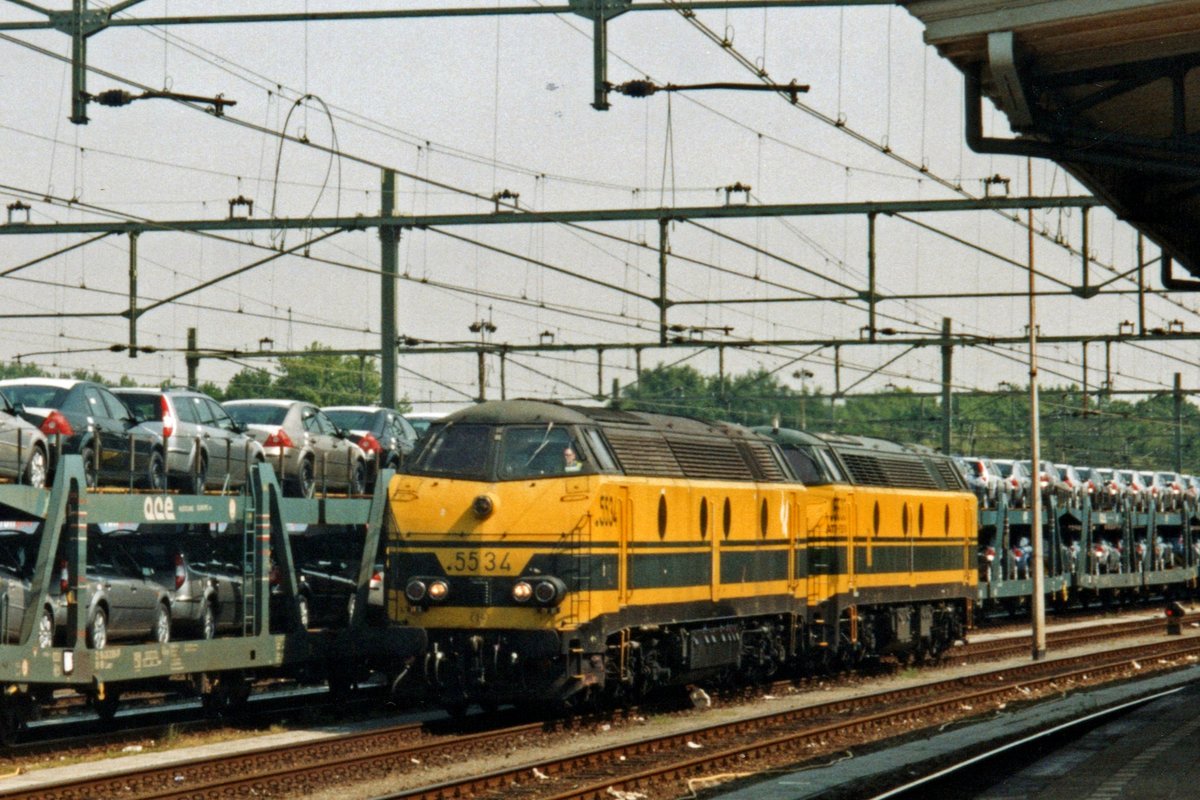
(297, 768)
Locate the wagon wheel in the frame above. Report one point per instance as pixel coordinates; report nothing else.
(14, 713)
(106, 707)
(228, 695)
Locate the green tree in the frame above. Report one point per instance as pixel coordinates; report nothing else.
(669, 390)
(318, 376)
(250, 383)
(325, 379)
(213, 390)
(751, 398)
(17, 369)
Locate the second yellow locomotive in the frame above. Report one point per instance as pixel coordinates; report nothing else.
(562, 553)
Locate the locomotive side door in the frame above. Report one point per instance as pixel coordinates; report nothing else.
(796, 517)
(820, 551)
(624, 529)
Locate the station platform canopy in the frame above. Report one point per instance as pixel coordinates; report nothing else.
(1108, 89)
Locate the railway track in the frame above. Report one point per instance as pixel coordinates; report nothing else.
(746, 747)
(783, 737)
(975, 652)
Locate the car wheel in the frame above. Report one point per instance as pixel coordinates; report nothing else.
(302, 611)
(90, 476)
(97, 630)
(208, 623)
(45, 631)
(350, 609)
(306, 482)
(156, 472)
(37, 469)
(162, 624)
(358, 478)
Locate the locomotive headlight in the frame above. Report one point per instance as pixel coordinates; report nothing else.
(483, 506)
(415, 590)
(438, 591)
(549, 591)
(522, 591)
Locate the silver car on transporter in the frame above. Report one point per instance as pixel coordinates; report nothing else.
(24, 450)
(303, 445)
(205, 448)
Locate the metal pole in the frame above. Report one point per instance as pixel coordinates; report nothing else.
(389, 237)
(191, 359)
(662, 280)
(482, 377)
(1085, 378)
(837, 386)
(1108, 368)
(133, 278)
(1178, 422)
(600, 59)
(721, 374)
(599, 373)
(947, 410)
(503, 379)
(1141, 283)
(1035, 563)
(78, 63)
(837, 370)
(1084, 253)
(871, 275)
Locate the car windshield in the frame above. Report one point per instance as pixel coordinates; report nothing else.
(33, 395)
(461, 451)
(350, 420)
(257, 414)
(420, 424)
(145, 407)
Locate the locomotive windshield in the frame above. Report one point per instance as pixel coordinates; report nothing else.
(457, 451)
(533, 452)
(813, 466)
(501, 452)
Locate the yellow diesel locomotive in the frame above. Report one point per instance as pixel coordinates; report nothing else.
(562, 553)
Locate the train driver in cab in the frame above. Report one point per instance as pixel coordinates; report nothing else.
(530, 452)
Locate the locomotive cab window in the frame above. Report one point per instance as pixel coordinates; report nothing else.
(605, 462)
(813, 466)
(831, 466)
(529, 452)
(460, 451)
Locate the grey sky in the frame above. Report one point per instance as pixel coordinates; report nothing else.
(488, 104)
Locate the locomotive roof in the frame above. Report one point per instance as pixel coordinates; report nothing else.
(840, 441)
(533, 412)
